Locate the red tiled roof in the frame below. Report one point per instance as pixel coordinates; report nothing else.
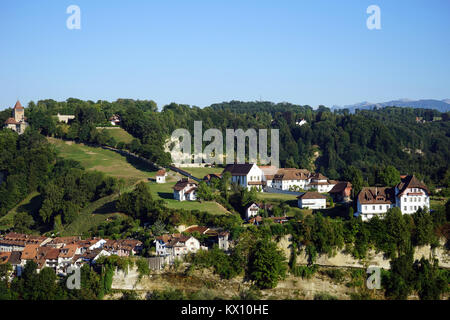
(30, 252)
(312, 195)
(18, 105)
(292, 174)
(161, 172)
(11, 121)
(340, 187)
(376, 195)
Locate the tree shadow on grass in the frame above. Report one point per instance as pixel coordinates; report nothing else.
(165, 195)
(292, 203)
(109, 207)
(32, 208)
(338, 211)
(140, 164)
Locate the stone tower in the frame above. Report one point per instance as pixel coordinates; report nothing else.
(18, 112)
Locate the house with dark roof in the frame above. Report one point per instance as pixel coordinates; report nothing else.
(185, 189)
(312, 200)
(18, 121)
(341, 192)
(247, 175)
(409, 195)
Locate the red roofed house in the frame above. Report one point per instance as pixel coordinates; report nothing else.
(123, 247)
(18, 121)
(161, 176)
(341, 192)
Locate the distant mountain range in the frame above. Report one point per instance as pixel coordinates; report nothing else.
(440, 105)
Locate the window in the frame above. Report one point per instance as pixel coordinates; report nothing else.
(381, 207)
(373, 207)
(406, 208)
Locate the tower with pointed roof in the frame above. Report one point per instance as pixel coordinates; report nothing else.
(18, 120)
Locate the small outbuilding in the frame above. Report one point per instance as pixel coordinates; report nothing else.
(312, 200)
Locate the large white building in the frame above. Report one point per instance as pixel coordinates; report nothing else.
(287, 179)
(409, 195)
(247, 175)
(291, 179)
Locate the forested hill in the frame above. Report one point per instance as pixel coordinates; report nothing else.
(356, 147)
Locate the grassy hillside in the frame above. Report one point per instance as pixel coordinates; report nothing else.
(164, 191)
(119, 134)
(109, 162)
(201, 172)
(133, 171)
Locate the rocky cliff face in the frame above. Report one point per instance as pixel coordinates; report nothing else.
(343, 259)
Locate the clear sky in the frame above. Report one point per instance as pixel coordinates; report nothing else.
(203, 52)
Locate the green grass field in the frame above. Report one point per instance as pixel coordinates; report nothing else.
(201, 172)
(164, 191)
(276, 197)
(119, 134)
(109, 162)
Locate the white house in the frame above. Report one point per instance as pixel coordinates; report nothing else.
(251, 210)
(176, 245)
(291, 179)
(247, 175)
(65, 118)
(312, 200)
(161, 176)
(409, 195)
(268, 174)
(185, 189)
(321, 183)
(115, 120)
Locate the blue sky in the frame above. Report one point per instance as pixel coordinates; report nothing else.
(202, 52)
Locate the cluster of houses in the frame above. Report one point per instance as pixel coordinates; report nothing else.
(409, 195)
(265, 178)
(62, 252)
(180, 244)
